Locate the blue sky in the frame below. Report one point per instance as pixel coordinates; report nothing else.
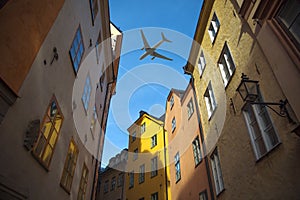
(145, 84)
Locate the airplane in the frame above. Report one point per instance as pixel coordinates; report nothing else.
(151, 50)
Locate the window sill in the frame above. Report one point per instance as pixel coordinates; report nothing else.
(40, 162)
(221, 192)
(65, 189)
(196, 165)
(212, 114)
(178, 180)
(268, 153)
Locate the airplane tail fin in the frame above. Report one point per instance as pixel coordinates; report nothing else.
(164, 38)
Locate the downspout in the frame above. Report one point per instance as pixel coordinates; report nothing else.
(165, 159)
(201, 134)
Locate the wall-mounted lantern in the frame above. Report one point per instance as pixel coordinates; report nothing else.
(249, 92)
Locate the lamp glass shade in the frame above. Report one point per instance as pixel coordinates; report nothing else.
(248, 90)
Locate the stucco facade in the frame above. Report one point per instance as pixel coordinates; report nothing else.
(46, 131)
(147, 174)
(186, 141)
(247, 161)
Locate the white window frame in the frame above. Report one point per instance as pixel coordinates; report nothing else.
(177, 167)
(153, 140)
(213, 27)
(201, 63)
(210, 100)
(217, 172)
(142, 173)
(260, 127)
(197, 151)
(86, 94)
(226, 65)
(154, 166)
(190, 108)
(143, 127)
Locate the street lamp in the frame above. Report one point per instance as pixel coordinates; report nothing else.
(249, 92)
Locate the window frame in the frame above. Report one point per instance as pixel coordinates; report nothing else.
(77, 50)
(177, 167)
(131, 179)
(171, 102)
(94, 10)
(201, 63)
(217, 172)
(226, 65)
(154, 196)
(120, 180)
(113, 183)
(86, 94)
(210, 100)
(197, 153)
(213, 28)
(203, 195)
(173, 124)
(66, 167)
(133, 136)
(154, 167)
(142, 174)
(143, 127)
(283, 27)
(261, 115)
(84, 184)
(154, 141)
(135, 154)
(106, 186)
(190, 108)
(53, 129)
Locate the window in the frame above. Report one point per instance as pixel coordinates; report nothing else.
(135, 154)
(93, 121)
(289, 18)
(120, 179)
(173, 124)
(44, 148)
(94, 9)
(86, 93)
(153, 141)
(226, 65)
(77, 50)
(113, 183)
(69, 167)
(154, 196)
(262, 133)
(210, 100)
(133, 138)
(171, 102)
(213, 28)
(142, 173)
(203, 195)
(153, 166)
(131, 179)
(197, 151)
(190, 108)
(83, 183)
(217, 173)
(177, 167)
(106, 186)
(143, 127)
(201, 63)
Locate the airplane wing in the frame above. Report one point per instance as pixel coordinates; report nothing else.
(161, 56)
(144, 55)
(146, 45)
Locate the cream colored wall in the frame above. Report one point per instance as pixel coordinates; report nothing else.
(18, 165)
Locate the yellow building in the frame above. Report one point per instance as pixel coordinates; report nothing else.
(147, 172)
(253, 152)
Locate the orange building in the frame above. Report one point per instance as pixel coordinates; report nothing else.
(189, 176)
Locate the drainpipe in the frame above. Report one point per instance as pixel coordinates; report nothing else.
(95, 179)
(201, 134)
(165, 159)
